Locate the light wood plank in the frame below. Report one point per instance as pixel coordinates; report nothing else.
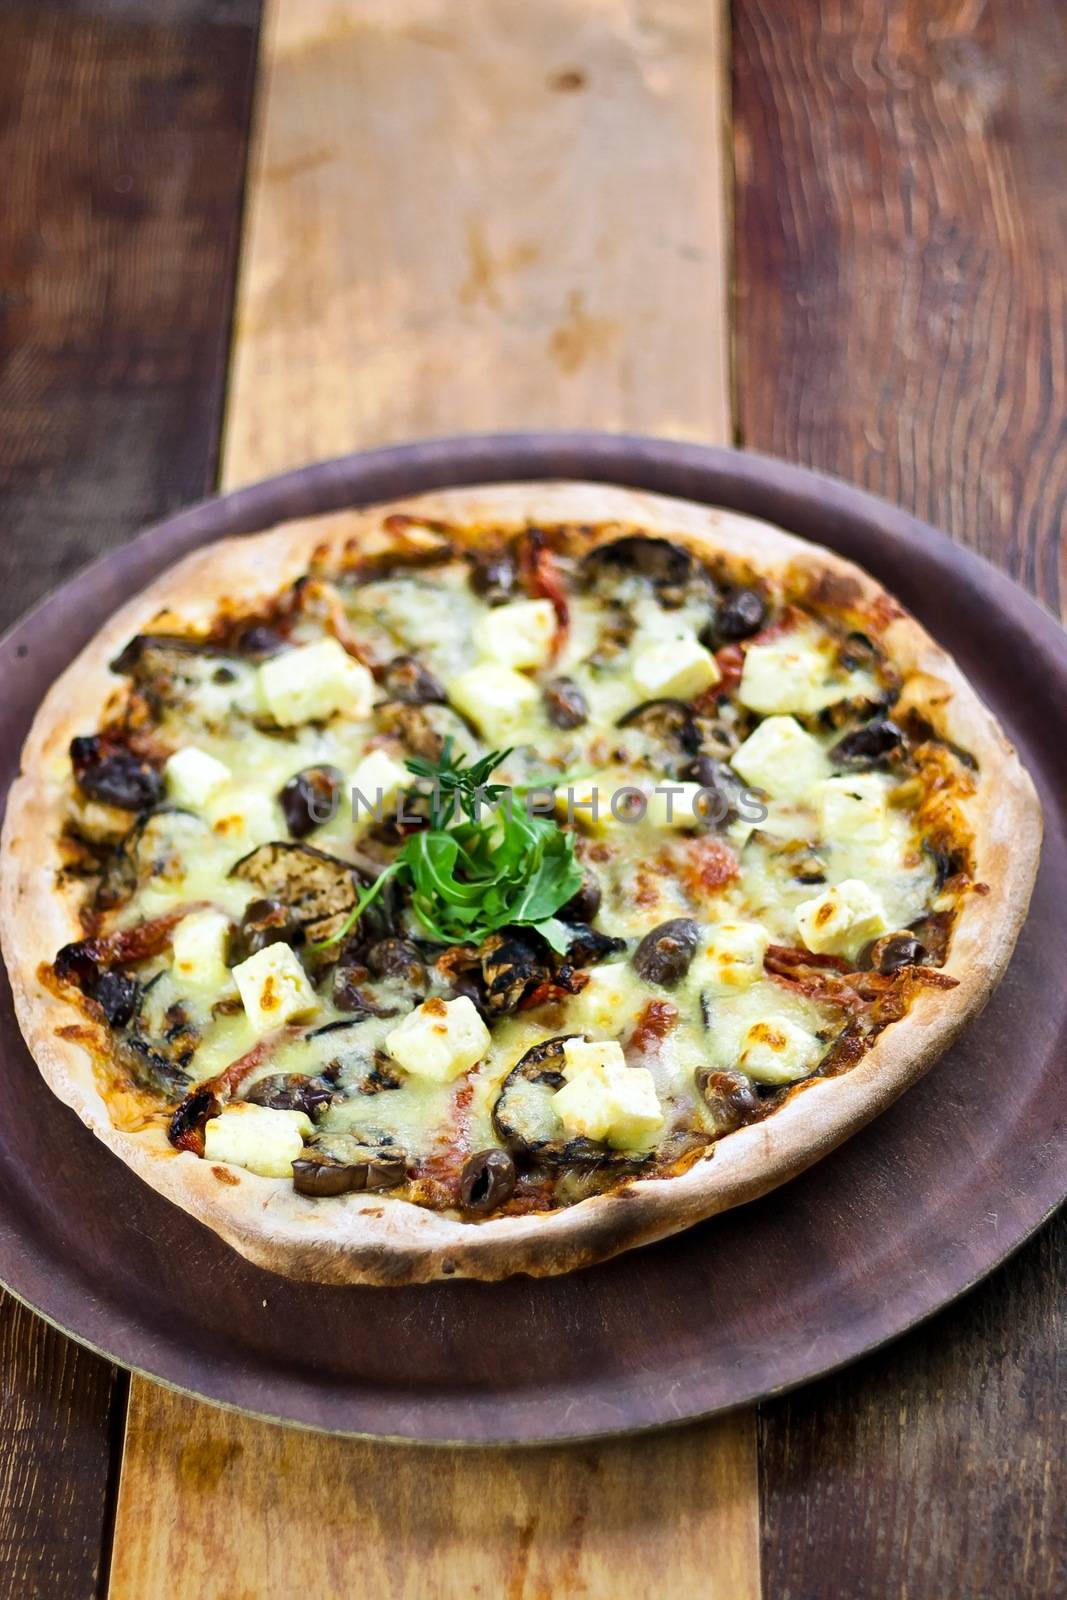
(489, 214)
(493, 214)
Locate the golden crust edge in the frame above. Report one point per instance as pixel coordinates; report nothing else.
(376, 1240)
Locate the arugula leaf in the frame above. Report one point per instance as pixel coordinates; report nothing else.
(468, 880)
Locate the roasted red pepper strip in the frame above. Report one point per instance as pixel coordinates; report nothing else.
(541, 578)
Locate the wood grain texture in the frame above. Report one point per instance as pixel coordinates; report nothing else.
(224, 1512)
(121, 146)
(495, 215)
(901, 321)
(482, 216)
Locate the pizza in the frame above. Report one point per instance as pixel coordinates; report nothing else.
(495, 881)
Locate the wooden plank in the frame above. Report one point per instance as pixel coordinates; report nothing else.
(902, 313)
(488, 216)
(481, 216)
(122, 149)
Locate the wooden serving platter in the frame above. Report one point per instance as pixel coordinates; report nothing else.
(904, 1217)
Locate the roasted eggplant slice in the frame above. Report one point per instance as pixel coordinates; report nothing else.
(513, 964)
(318, 890)
(525, 1122)
(159, 847)
(662, 562)
(342, 1163)
(293, 1091)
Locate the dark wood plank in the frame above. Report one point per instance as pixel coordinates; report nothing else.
(900, 235)
(122, 144)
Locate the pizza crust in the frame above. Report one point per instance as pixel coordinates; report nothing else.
(375, 1239)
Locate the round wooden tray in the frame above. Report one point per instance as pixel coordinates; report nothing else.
(905, 1216)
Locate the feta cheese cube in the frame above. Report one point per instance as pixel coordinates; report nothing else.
(439, 1040)
(677, 669)
(731, 958)
(780, 758)
(312, 682)
(193, 777)
(786, 675)
(198, 951)
(256, 1137)
(373, 786)
(587, 803)
(274, 988)
(611, 998)
(608, 1101)
(853, 810)
(518, 635)
(496, 699)
(776, 1050)
(581, 1054)
(677, 805)
(842, 920)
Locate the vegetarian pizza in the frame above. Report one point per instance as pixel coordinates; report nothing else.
(494, 881)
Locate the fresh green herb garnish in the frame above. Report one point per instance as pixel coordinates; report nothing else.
(469, 878)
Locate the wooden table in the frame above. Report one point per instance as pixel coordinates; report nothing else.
(492, 213)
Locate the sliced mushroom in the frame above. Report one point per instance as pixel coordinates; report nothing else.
(525, 1121)
(318, 890)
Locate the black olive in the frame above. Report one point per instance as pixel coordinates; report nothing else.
(406, 680)
(565, 703)
(495, 576)
(588, 945)
(396, 958)
(309, 799)
(722, 782)
(349, 995)
(741, 615)
(858, 651)
(866, 746)
(946, 863)
(264, 922)
(260, 640)
(292, 1091)
(671, 721)
(663, 956)
(730, 1097)
(896, 950)
(487, 1181)
(118, 996)
(584, 904)
(114, 777)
